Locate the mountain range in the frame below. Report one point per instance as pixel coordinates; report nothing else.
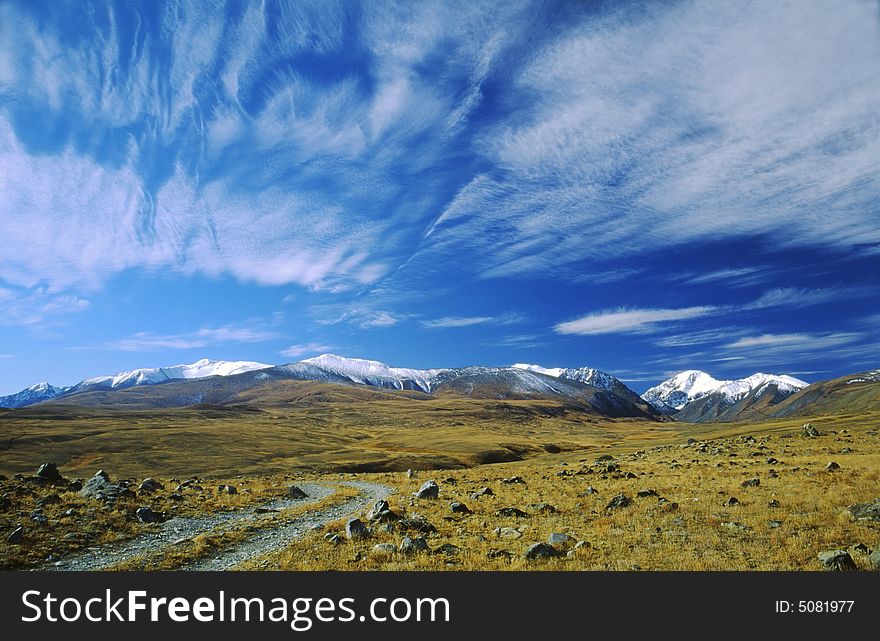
(691, 396)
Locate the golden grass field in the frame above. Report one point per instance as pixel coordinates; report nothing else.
(554, 450)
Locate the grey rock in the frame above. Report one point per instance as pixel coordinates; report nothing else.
(736, 526)
(100, 488)
(832, 466)
(293, 492)
(429, 490)
(859, 548)
(384, 549)
(619, 501)
(227, 489)
(646, 493)
(507, 533)
(773, 504)
(837, 560)
(418, 523)
(732, 501)
(543, 508)
(540, 551)
(514, 480)
(409, 545)
(448, 549)
(809, 431)
(753, 482)
(334, 539)
(865, 511)
(49, 499)
(147, 515)
(49, 471)
(148, 486)
(379, 508)
(410, 474)
(560, 539)
(874, 559)
(355, 529)
(459, 508)
(512, 511)
(484, 491)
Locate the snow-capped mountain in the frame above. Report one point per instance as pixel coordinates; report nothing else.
(33, 394)
(587, 376)
(145, 376)
(674, 394)
(374, 373)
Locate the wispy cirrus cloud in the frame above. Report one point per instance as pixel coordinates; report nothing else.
(204, 337)
(467, 321)
(303, 349)
(630, 320)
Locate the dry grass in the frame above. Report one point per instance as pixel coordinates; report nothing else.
(646, 535)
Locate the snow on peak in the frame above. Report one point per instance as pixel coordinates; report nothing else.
(359, 370)
(200, 369)
(586, 375)
(555, 372)
(690, 385)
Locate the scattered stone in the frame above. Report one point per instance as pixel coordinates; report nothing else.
(295, 493)
(560, 539)
(514, 480)
(507, 533)
(809, 431)
(753, 482)
(410, 474)
(49, 471)
(646, 493)
(736, 526)
(39, 518)
(874, 559)
(334, 539)
(379, 509)
(50, 499)
(540, 551)
(227, 489)
(146, 515)
(384, 549)
(418, 523)
(355, 529)
(773, 525)
(859, 548)
(16, 537)
(832, 466)
(512, 511)
(866, 511)
(837, 560)
(483, 491)
(329, 535)
(604, 457)
(448, 549)
(499, 554)
(429, 490)
(265, 510)
(415, 545)
(317, 527)
(772, 461)
(148, 486)
(590, 490)
(732, 501)
(543, 508)
(100, 488)
(619, 501)
(459, 508)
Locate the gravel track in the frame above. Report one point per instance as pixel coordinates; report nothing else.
(106, 556)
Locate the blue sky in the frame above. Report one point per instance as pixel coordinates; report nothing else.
(639, 187)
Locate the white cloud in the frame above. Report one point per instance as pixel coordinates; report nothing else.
(794, 342)
(467, 321)
(623, 321)
(205, 337)
(295, 351)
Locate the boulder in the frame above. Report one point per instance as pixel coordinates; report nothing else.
(874, 559)
(561, 540)
(809, 431)
(227, 489)
(148, 486)
(448, 549)
(837, 560)
(410, 474)
(865, 511)
(16, 537)
(49, 471)
(484, 491)
(514, 480)
(355, 529)
(619, 501)
(540, 551)
(100, 488)
(295, 493)
(832, 467)
(379, 510)
(459, 508)
(507, 533)
(418, 523)
(147, 515)
(409, 545)
(384, 549)
(429, 490)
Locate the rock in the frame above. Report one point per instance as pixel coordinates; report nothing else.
(512, 511)
(410, 474)
(582, 544)
(418, 523)
(561, 540)
(754, 482)
(859, 548)
(732, 501)
(383, 549)
(448, 549)
(334, 539)
(540, 551)
(75, 486)
(16, 537)
(39, 518)
(590, 490)
(507, 533)
(773, 525)
(415, 545)
(874, 559)
(772, 461)
(100, 488)
(514, 480)
(227, 489)
(499, 554)
(809, 431)
(148, 486)
(604, 457)
(543, 508)
(459, 508)
(646, 493)
(429, 490)
(837, 560)
(773, 504)
(49, 471)
(736, 526)
(102, 474)
(484, 491)
(865, 511)
(379, 508)
(832, 466)
(355, 529)
(295, 493)
(146, 515)
(619, 501)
